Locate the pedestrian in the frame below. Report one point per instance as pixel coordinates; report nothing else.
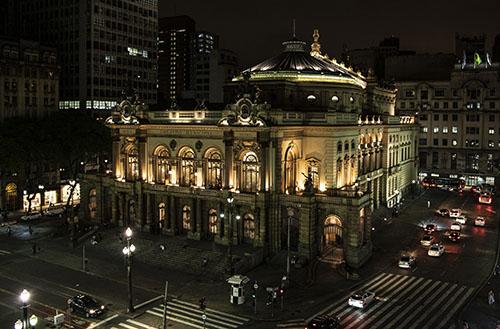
(30, 230)
(466, 325)
(491, 297)
(34, 248)
(428, 203)
(9, 231)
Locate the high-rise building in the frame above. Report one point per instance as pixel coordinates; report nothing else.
(9, 25)
(29, 76)
(459, 121)
(104, 47)
(191, 63)
(469, 46)
(175, 58)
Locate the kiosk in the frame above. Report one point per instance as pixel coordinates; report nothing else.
(237, 292)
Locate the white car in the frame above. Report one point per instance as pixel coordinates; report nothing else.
(462, 219)
(456, 226)
(54, 211)
(406, 262)
(454, 213)
(31, 216)
(436, 250)
(426, 240)
(479, 221)
(361, 298)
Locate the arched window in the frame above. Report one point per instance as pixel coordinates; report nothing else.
(11, 196)
(188, 167)
(162, 216)
(250, 173)
(186, 218)
(290, 171)
(339, 147)
(248, 228)
(212, 222)
(93, 203)
(132, 164)
(213, 171)
(313, 170)
(162, 166)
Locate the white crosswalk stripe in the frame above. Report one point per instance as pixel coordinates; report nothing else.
(189, 314)
(403, 302)
(133, 324)
(292, 324)
(4, 252)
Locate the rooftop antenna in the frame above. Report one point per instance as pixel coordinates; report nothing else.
(294, 27)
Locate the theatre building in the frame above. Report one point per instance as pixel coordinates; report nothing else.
(303, 143)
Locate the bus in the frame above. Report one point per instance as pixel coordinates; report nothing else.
(450, 184)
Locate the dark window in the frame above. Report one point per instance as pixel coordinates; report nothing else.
(491, 118)
(444, 142)
(445, 105)
(424, 94)
(422, 141)
(492, 105)
(439, 92)
(436, 117)
(423, 117)
(454, 117)
(435, 142)
(455, 105)
(445, 117)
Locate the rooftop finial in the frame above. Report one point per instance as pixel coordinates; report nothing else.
(316, 46)
(294, 27)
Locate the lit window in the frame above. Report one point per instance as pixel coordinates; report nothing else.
(491, 131)
(425, 129)
(335, 98)
(445, 130)
(454, 142)
(454, 130)
(436, 130)
(351, 99)
(311, 98)
(491, 144)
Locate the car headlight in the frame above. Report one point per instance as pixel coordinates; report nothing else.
(92, 311)
(102, 307)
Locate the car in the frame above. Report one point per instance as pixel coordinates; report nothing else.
(430, 228)
(475, 189)
(406, 261)
(436, 250)
(54, 210)
(479, 221)
(361, 298)
(485, 198)
(86, 305)
(454, 236)
(324, 321)
(456, 226)
(443, 212)
(427, 240)
(31, 216)
(454, 213)
(461, 219)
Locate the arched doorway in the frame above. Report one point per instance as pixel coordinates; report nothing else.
(291, 214)
(213, 222)
(11, 196)
(332, 240)
(186, 219)
(162, 217)
(248, 228)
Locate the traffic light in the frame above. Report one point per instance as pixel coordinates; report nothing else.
(203, 303)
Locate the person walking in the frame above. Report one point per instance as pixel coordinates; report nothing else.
(428, 203)
(9, 231)
(491, 297)
(30, 230)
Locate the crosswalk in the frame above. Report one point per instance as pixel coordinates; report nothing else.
(190, 315)
(5, 252)
(133, 324)
(403, 301)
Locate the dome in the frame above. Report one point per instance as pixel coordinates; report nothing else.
(295, 63)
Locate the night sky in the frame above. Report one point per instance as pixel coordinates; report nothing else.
(256, 28)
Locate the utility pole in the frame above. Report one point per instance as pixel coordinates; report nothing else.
(165, 306)
(83, 259)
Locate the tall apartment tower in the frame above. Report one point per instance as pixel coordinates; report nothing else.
(175, 59)
(103, 47)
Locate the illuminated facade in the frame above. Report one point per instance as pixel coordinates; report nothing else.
(103, 47)
(459, 121)
(306, 140)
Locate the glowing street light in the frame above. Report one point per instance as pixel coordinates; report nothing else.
(128, 252)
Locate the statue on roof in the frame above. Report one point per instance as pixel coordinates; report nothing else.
(316, 46)
(128, 109)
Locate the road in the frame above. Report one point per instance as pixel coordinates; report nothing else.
(430, 294)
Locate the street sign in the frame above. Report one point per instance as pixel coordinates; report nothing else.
(204, 316)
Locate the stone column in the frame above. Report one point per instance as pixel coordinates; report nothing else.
(264, 140)
(117, 170)
(147, 226)
(228, 158)
(121, 210)
(171, 219)
(143, 159)
(198, 220)
(114, 205)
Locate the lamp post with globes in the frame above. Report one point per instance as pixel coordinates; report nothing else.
(26, 323)
(128, 251)
(230, 200)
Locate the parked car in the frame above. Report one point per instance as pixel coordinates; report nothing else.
(436, 250)
(54, 210)
(461, 219)
(406, 261)
(85, 305)
(324, 321)
(430, 228)
(479, 221)
(454, 236)
(456, 226)
(443, 212)
(361, 299)
(427, 240)
(454, 213)
(31, 216)
(485, 198)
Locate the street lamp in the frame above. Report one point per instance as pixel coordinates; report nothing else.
(230, 200)
(25, 323)
(291, 213)
(128, 252)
